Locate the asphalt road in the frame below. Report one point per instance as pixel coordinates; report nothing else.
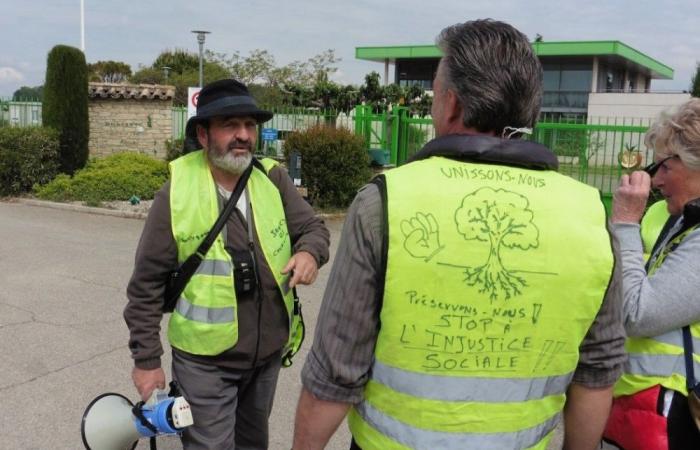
(63, 276)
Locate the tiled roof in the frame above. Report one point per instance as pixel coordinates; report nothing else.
(137, 91)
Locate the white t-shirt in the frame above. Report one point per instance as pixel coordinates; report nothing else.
(241, 205)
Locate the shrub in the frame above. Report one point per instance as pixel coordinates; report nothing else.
(65, 105)
(417, 137)
(27, 156)
(116, 177)
(334, 164)
(174, 148)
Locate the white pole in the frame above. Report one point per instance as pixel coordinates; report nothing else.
(82, 25)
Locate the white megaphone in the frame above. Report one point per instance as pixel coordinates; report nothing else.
(112, 422)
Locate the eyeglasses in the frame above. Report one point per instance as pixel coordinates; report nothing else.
(652, 168)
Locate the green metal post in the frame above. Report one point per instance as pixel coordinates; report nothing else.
(395, 130)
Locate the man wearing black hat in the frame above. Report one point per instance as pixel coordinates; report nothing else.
(231, 325)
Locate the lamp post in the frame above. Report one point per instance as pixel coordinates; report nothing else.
(166, 71)
(82, 25)
(201, 35)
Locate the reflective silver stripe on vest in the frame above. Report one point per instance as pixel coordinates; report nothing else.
(419, 438)
(472, 389)
(204, 314)
(675, 337)
(214, 267)
(657, 365)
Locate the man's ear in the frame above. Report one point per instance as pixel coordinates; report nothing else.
(453, 108)
(202, 136)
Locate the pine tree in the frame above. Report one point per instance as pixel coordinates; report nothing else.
(65, 105)
(695, 82)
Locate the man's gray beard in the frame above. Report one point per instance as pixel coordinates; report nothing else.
(235, 165)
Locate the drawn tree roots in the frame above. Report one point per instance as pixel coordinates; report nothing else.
(494, 279)
(503, 219)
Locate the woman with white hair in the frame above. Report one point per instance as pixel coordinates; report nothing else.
(661, 311)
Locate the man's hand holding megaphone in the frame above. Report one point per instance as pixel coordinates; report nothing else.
(147, 381)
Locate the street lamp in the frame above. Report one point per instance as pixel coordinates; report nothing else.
(166, 71)
(201, 35)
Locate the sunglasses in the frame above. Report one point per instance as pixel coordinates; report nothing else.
(652, 168)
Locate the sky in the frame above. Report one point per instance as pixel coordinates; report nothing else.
(137, 31)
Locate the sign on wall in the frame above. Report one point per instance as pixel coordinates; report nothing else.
(269, 134)
(192, 97)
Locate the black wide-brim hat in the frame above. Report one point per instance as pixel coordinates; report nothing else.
(229, 98)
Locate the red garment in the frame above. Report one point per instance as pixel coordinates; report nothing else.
(635, 422)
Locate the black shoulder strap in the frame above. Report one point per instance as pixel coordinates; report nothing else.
(181, 276)
(662, 235)
(688, 353)
(223, 217)
(380, 182)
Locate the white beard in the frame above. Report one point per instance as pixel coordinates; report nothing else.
(230, 163)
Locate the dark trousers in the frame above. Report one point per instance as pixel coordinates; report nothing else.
(682, 432)
(230, 407)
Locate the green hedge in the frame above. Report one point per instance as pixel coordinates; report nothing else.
(65, 105)
(116, 177)
(334, 164)
(27, 156)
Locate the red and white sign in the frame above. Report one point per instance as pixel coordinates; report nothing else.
(192, 97)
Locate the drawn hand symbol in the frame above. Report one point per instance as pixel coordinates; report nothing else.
(421, 236)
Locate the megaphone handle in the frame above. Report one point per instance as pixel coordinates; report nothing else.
(174, 389)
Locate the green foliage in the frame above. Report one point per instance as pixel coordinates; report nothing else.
(174, 148)
(27, 156)
(116, 177)
(26, 93)
(148, 75)
(260, 67)
(372, 92)
(109, 71)
(65, 105)
(380, 97)
(179, 61)
(695, 82)
(183, 72)
(417, 138)
(334, 164)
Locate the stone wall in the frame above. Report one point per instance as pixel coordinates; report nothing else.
(129, 118)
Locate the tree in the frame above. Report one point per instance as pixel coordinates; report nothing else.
(65, 105)
(109, 71)
(26, 93)
(179, 61)
(148, 75)
(371, 92)
(379, 97)
(260, 67)
(695, 82)
(502, 219)
(183, 72)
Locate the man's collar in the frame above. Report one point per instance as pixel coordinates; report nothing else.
(492, 150)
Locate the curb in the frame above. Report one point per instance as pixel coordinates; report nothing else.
(80, 208)
(116, 212)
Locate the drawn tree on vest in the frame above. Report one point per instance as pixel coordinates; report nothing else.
(502, 219)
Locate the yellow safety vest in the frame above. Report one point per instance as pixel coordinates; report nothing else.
(652, 223)
(493, 276)
(204, 320)
(659, 359)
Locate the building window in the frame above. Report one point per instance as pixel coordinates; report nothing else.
(566, 84)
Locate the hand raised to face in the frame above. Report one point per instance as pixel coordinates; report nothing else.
(630, 198)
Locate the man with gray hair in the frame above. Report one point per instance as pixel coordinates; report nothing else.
(472, 300)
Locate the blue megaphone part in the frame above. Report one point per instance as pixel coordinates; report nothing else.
(162, 414)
